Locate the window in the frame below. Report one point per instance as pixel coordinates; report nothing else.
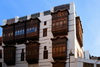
(44, 32)
(15, 33)
(0, 53)
(30, 30)
(22, 55)
(45, 22)
(45, 53)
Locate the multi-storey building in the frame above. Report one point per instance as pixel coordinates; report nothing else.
(43, 39)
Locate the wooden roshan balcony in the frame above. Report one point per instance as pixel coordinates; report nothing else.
(79, 31)
(32, 52)
(60, 22)
(9, 55)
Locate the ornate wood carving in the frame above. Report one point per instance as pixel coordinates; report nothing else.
(60, 22)
(32, 52)
(32, 29)
(79, 31)
(59, 48)
(8, 33)
(9, 55)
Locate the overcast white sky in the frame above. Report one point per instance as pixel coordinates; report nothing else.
(88, 10)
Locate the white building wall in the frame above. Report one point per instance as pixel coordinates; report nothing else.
(45, 41)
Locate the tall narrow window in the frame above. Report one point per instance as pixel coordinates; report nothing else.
(45, 53)
(0, 53)
(45, 22)
(44, 32)
(22, 55)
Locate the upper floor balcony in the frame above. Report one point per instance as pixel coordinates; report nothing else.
(60, 22)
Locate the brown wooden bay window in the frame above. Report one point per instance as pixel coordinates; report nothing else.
(59, 48)
(32, 29)
(8, 34)
(9, 55)
(60, 22)
(79, 31)
(32, 52)
(20, 32)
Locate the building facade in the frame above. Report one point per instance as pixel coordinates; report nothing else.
(44, 39)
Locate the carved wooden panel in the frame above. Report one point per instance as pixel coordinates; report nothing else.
(20, 31)
(59, 48)
(79, 31)
(8, 33)
(32, 29)
(60, 22)
(32, 53)
(9, 55)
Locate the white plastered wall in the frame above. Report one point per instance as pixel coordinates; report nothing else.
(45, 41)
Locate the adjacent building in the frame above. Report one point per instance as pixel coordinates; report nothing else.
(44, 39)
